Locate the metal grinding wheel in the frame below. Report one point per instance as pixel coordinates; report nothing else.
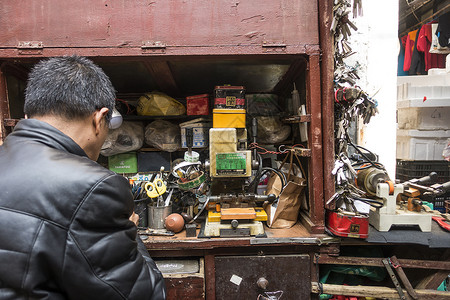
(367, 179)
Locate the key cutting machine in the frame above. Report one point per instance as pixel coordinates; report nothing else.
(231, 210)
(400, 207)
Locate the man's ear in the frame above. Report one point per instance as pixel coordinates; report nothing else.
(99, 119)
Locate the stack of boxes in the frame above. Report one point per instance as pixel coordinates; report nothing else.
(229, 107)
(423, 110)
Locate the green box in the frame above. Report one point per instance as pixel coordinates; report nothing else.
(123, 163)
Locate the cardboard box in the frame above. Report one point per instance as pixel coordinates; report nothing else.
(200, 132)
(123, 163)
(229, 118)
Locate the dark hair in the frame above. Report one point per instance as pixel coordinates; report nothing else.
(70, 86)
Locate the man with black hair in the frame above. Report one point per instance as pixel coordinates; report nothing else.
(67, 227)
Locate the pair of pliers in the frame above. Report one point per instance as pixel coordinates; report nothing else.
(442, 222)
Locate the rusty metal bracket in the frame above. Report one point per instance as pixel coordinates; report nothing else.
(394, 279)
(30, 47)
(297, 119)
(273, 47)
(398, 268)
(302, 152)
(153, 47)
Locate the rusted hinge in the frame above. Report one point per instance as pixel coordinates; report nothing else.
(273, 47)
(153, 47)
(30, 47)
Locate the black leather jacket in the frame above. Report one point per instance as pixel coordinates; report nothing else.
(64, 227)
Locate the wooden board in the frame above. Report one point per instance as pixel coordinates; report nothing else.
(158, 27)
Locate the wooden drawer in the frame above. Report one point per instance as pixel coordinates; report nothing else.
(183, 284)
(237, 276)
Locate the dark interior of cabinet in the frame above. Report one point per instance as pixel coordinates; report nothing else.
(180, 77)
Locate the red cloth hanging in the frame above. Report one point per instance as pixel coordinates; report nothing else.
(423, 45)
(409, 47)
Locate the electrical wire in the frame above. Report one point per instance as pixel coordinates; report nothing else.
(357, 148)
(269, 169)
(256, 146)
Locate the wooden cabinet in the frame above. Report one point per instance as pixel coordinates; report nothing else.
(185, 48)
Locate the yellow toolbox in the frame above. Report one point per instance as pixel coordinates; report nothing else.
(228, 118)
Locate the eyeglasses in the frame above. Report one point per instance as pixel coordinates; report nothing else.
(116, 119)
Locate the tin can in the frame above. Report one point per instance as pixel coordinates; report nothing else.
(157, 215)
(197, 105)
(226, 97)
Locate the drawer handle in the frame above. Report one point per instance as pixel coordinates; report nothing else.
(262, 283)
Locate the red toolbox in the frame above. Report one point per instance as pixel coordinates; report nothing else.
(197, 105)
(340, 224)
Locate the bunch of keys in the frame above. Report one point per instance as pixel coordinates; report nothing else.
(341, 165)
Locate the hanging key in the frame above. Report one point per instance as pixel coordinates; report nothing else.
(337, 165)
(340, 177)
(347, 163)
(357, 8)
(335, 197)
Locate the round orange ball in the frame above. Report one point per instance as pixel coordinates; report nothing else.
(174, 222)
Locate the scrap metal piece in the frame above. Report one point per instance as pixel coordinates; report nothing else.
(398, 268)
(394, 279)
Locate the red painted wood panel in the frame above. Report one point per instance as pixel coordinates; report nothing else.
(127, 23)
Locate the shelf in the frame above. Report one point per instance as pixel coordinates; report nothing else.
(150, 118)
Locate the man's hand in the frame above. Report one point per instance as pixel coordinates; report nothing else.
(134, 218)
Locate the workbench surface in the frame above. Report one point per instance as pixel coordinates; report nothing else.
(296, 235)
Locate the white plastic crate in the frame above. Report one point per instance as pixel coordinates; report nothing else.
(426, 80)
(424, 118)
(421, 144)
(409, 95)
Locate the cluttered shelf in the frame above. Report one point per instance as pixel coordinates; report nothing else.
(151, 118)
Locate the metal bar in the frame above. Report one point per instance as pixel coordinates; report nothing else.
(376, 262)
(263, 241)
(394, 279)
(401, 274)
